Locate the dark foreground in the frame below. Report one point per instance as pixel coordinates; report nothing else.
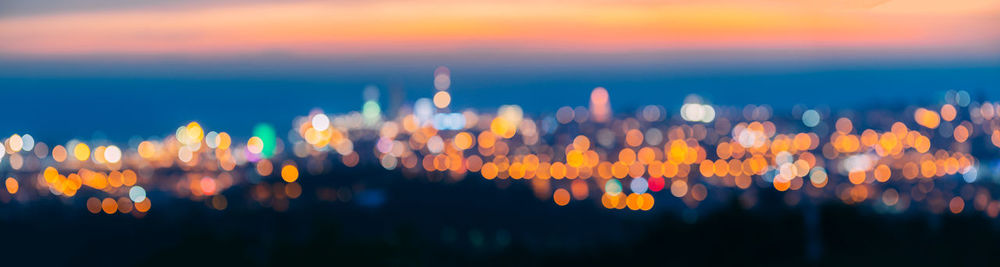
(473, 222)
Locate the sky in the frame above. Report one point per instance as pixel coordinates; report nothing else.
(343, 27)
(122, 67)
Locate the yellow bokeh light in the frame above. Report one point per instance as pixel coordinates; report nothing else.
(678, 188)
(961, 134)
(289, 173)
(59, 153)
(503, 127)
(882, 173)
(927, 118)
(264, 167)
(633, 138)
(956, 205)
(463, 140)
(129, 178)
(948, 112)
(81, 152)
(143, 206)
(255, 145)
(844, 125)
(12, 185)
(574, 158)
(15, 143)
(194, 132)
(109, 205)
(224, 141)
(442, 99)
(581, 143)
(146, 149)
(561, 197)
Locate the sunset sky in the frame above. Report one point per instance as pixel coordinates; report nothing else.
(80, 65)
(225, 28)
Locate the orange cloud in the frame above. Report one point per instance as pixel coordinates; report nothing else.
(547, 26)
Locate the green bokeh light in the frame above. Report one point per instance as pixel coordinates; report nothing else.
(266, 134)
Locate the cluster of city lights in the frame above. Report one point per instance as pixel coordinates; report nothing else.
(916, 158)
